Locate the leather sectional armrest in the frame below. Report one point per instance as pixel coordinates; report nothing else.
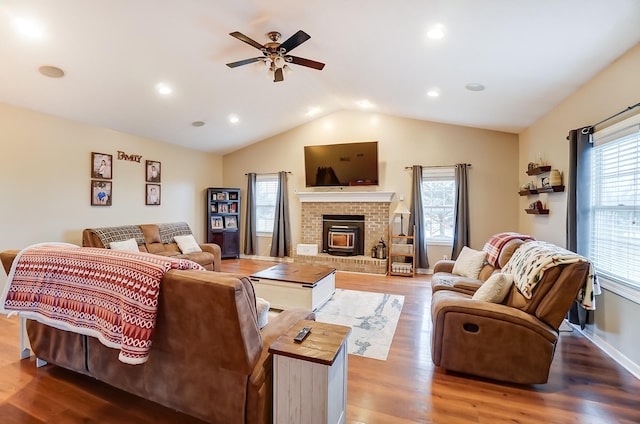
(217, 254)
(469, 286)
(444, 265)
(7, 258)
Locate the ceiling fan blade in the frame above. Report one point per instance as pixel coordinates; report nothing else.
(295, 40)
(307, 62)
(240, 36)
(278, 75)
(244, 62)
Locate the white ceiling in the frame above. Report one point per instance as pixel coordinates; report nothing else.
(530, 54)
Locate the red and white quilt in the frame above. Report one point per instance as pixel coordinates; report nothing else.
(494, 245)
(108, 294)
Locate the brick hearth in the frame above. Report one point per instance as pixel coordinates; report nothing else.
(376, 214)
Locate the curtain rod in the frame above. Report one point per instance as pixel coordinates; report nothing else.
(269, 173)
(589, 129)
(437, 166)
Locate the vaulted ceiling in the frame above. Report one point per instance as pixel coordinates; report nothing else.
(528, 55)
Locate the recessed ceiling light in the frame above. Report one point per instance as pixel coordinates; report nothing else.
(434, 92)
(163, 88)
(234, 119)
(28, 28)
(51, 71)
(364, 104)
(313, 110)
(436, 33)
(197, 123)
(474, 86)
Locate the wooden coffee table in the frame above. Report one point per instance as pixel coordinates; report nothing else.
(288, 286)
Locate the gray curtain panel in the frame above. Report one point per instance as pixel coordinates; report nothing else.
(578, 205)
(461, 213)
(250, 237)
(417, 218)
(578, 190)
(281, 239)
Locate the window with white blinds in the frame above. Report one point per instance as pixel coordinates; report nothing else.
(266, 196)
(438, 204)
(615, 203)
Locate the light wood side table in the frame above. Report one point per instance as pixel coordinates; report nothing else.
(310, 378)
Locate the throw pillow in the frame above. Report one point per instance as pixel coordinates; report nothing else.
(187, 244)
(469, 262)
(495, 289)
(130, 245)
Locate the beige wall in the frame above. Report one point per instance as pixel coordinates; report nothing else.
(45, 180)
(612, 90)
(402, 142)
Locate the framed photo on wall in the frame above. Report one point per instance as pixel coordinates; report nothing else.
(153, 194)
(101, 165)
(153, 171)
(100, 193)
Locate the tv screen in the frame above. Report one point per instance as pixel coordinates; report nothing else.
(341, 164)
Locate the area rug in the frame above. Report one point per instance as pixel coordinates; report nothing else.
(373, 318)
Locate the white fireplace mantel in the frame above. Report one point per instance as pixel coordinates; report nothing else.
(345, 196)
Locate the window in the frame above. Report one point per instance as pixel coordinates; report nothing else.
(266, 194)
(614, 245)
(438, 200)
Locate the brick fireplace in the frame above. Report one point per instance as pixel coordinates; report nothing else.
(374, 206)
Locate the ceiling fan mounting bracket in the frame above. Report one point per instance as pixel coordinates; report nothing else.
(274, 36)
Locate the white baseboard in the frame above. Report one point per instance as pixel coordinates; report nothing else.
(613, 353)
(266, 258)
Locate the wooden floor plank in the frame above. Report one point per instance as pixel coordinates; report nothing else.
(585, 385)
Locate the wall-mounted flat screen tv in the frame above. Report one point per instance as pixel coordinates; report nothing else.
(341, 164)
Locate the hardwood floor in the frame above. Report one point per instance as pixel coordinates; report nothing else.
(585, 385)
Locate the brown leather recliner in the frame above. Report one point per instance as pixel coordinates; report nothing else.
(512, 342)
(209, 357)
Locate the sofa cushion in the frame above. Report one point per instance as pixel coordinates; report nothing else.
(495, 289)
(469, 262)
(508, 250)
(130, 245)
(187, 244)
(151, 233)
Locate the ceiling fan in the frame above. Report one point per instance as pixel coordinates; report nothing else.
(275, 55)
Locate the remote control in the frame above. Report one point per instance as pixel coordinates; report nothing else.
(302, 334)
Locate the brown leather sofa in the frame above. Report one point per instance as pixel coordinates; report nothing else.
(209, 359)
(513, 341)
(156, 239)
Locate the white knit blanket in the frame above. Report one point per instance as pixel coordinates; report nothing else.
(532, 259)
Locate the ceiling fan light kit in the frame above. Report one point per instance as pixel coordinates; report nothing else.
(275, 55)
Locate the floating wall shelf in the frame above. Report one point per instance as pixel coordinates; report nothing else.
(537, 211)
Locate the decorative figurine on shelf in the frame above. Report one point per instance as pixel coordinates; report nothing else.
(382, 249)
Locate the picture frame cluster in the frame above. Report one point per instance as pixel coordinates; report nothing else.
(153, 177)
(101, 179)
